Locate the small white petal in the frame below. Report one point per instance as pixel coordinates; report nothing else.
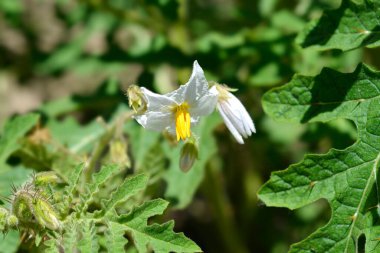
(206, 104)
(230, 109)
(196, 87)
(229, 125)
(248, 122)
(156, 121)
(157, 102)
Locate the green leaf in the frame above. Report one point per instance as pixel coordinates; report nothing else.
(346, 178)
(128, 188)
(16, 176)
(182, 186)
(13, 131)
(51, 247)
(351, 26)
(142, 143)
(115, 237)
(10, 242)
(160, 238)
(70, 240)
(101, 177)
(73, 178)
(89, 241)
(76, 137)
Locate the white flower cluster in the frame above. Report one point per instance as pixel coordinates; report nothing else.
(177, 111)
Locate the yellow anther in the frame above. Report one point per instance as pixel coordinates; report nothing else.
(182, 121)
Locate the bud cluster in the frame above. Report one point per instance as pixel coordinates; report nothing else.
(30, 207)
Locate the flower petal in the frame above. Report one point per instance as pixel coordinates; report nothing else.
(157, 102)
(206, 104)
(229, 125)
(196, 87)
(244, 115)
(155, 120)
(229, 107)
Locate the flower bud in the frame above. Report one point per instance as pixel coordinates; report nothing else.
(234, 114)
(3, 218)
(12, 221)
(189, 153)
(45, 178)
(21, 206)
(118, 153)
(136, 98)
(45, 214)
(29, 208)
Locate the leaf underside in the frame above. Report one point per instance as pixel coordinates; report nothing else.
(345, 178)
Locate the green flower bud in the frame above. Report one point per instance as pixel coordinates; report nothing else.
(118, 153)
(21, 206)
(136, 98)
(44, 178)
(189, 153)
(12, 221)
(45, 214)
(3, 218)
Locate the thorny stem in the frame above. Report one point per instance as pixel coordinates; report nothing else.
(103, 142)
(222, 211)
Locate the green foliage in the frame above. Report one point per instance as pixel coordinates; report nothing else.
(95, 209)
(90, 228)
(159, 237)
(345, 178)
(13, 131)
(105, 178)
(351, 26)
(182, 187)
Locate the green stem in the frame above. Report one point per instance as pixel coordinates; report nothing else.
(222, 211)
(104, 140)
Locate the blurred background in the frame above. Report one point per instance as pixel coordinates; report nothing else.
(56, 57)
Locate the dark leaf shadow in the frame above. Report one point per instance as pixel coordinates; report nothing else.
(325, 27)
(329, 91)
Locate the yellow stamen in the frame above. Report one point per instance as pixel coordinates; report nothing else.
(182, 121)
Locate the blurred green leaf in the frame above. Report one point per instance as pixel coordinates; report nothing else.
(12, 176)
(266, 7)
(10, 242)
(75, 137)
(12, 132)
(10, 6)
(267, 75)
(142, 143)
(181, 186)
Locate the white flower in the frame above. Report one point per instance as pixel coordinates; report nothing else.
(234, 114)
(178, 110)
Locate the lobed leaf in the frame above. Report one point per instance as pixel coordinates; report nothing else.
(73, 178)
(350, 26)
(128, 188)
(345, 178)
(101, 177)
(161, 238)
(89, 240)
(115, 237)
